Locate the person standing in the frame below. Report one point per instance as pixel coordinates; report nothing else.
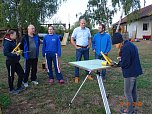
(51, 50)
(101, 43)
(130, 64)
(82, 36)
(30, 44)
(12, 62)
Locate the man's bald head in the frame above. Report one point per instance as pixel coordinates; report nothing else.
(31, 29)
(82, 23)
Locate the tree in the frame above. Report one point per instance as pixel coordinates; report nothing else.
(102, 10)
(127, 5)
(20, 13)
(99, 11)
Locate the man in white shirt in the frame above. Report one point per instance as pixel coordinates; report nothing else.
(81, 40)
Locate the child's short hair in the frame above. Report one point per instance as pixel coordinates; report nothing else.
(51, 27)
(103, 25)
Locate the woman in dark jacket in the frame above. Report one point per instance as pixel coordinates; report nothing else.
(12, 62)
(131, 69)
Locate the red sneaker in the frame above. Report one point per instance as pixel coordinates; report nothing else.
(51, 81)
(61, 81)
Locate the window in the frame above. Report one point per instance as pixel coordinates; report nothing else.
(145, 26)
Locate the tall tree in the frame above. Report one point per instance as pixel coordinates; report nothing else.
(130, 8)
(127, 5)
(99, 11)
(104, 10)
(20, 13)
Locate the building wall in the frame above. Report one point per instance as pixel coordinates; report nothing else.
(131, 29)
(138, 27)
(141, 32)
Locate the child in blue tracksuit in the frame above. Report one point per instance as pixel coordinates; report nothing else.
(101, 42)
(12, 62)
(51, 50)
(131, 69)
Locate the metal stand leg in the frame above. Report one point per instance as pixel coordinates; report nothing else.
(103, 94)
(79, 88)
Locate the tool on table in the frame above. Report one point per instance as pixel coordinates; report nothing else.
(108, 61)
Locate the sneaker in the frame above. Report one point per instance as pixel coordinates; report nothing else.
(61, 81)
(51, 81)
(90, 77)
(25, 84)
(20, 89)
(35, 82)
(76, 80)
(13, 92)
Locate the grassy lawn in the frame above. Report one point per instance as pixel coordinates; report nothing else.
(55, 99)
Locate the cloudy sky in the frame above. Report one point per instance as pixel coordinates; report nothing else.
(68, 10)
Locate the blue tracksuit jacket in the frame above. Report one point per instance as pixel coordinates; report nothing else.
(51, 44)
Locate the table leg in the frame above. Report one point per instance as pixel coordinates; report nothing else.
(103, 94)
(79, 88)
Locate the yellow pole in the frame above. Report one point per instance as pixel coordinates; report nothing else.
(106, 58)
(15, 49)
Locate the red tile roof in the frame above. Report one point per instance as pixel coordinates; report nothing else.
(144, 12)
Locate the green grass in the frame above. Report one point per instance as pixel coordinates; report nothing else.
(55, 99)
(5, 100)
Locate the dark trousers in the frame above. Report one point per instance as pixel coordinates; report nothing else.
(30, 64)
(130, 90)
(53, 57)
(103, 73)
(12, 68)
(79, 53)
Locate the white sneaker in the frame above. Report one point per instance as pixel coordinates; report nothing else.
(35, 82)
(25, 84)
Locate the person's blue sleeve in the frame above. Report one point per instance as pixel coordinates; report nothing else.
(104, 45)
(39, 42)
(93, 43)
(125, 58)
(108, 45)
(43, 47)
(6, 50)
(59, 48)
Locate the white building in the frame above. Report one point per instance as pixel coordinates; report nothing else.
(142, 28)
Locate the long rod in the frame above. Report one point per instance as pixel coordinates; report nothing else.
(119, 21)
(79, 88)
